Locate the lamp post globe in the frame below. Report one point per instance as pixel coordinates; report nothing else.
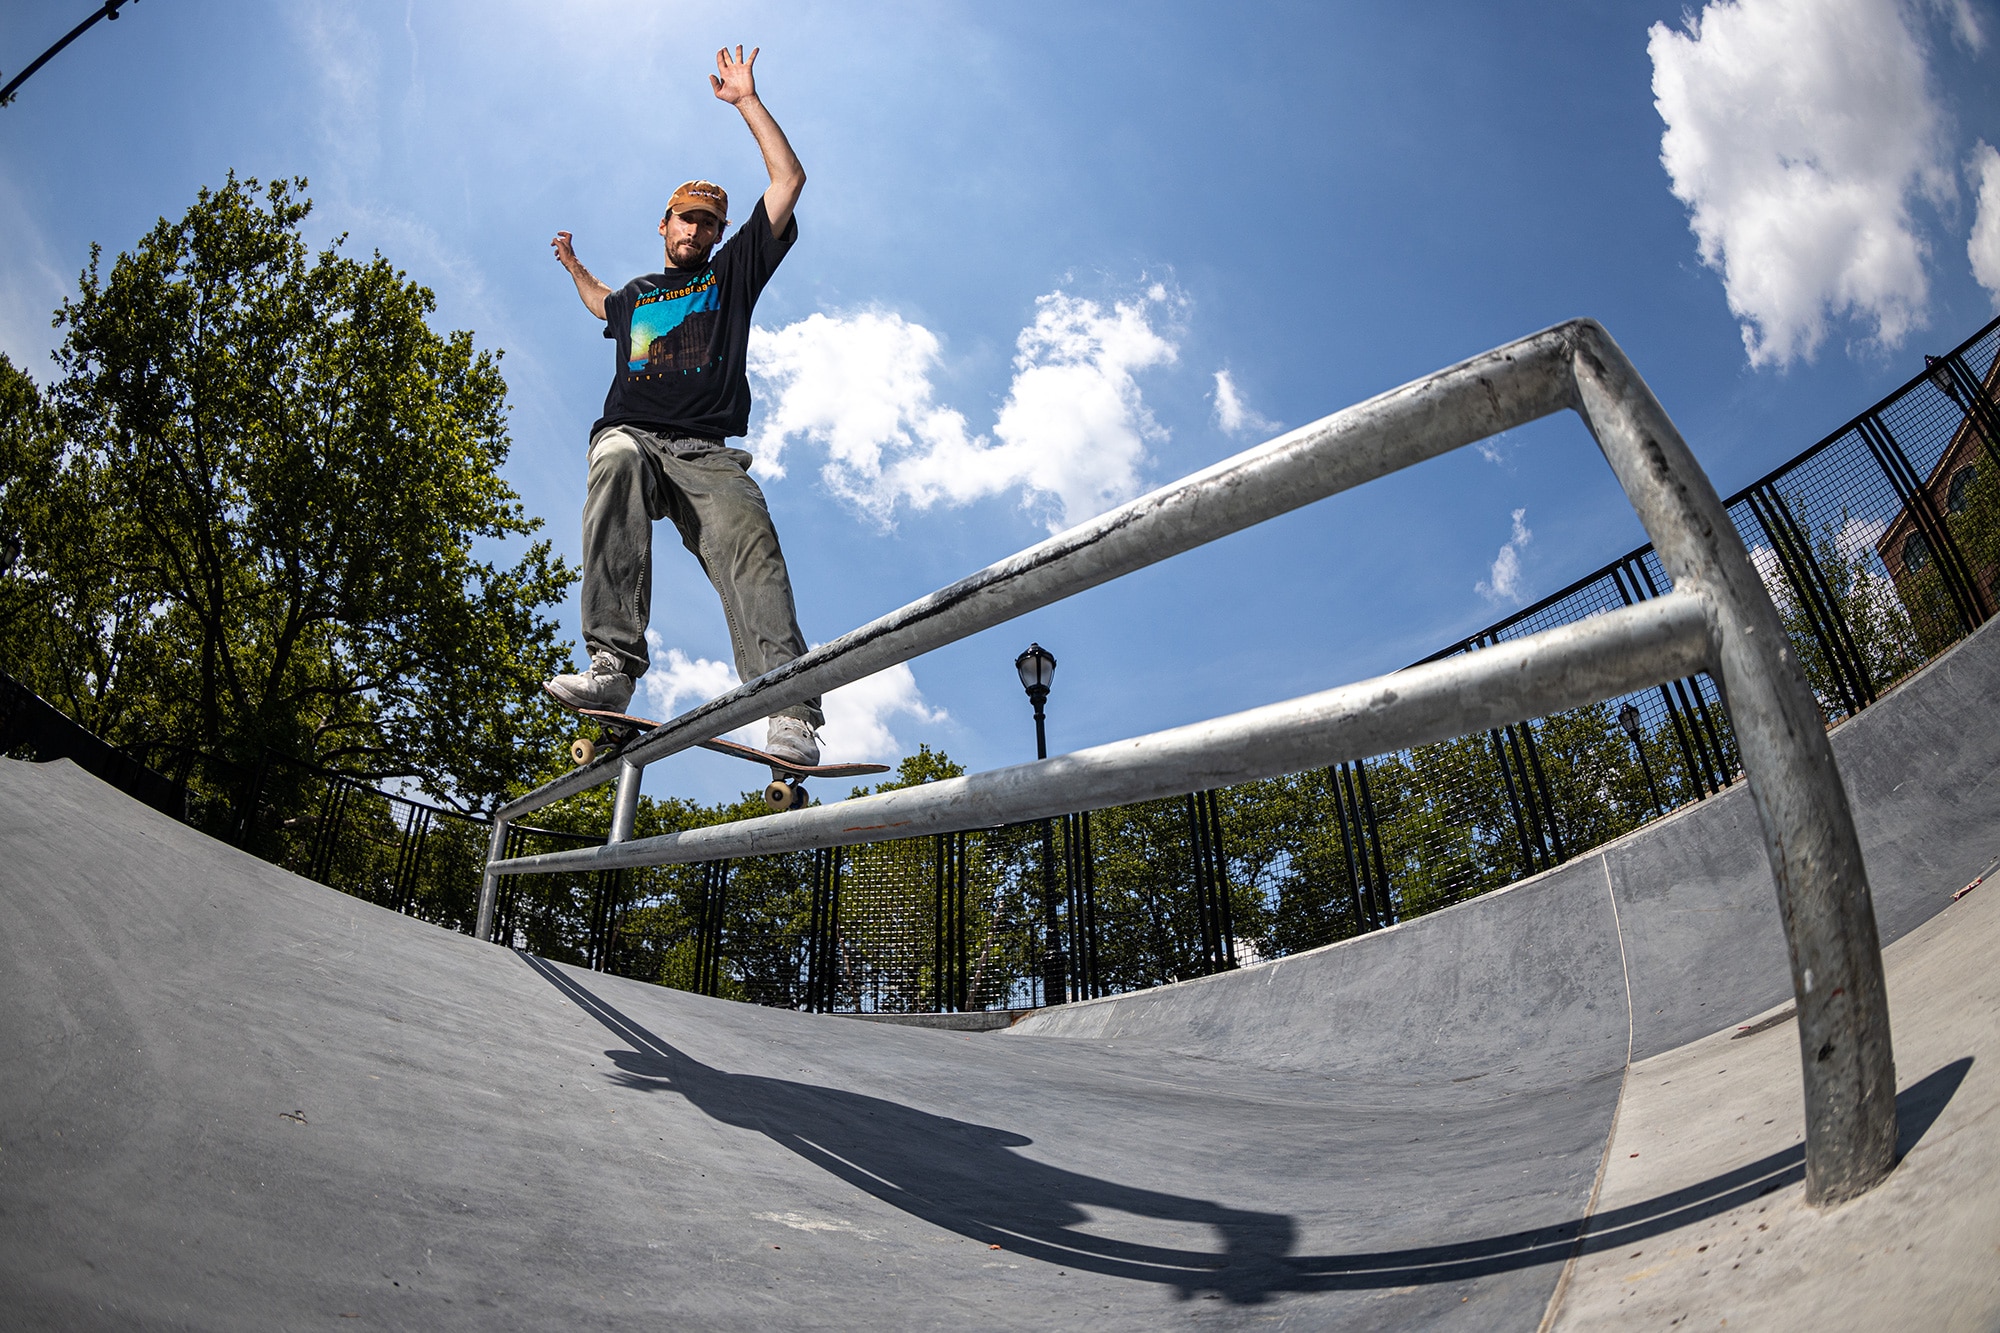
(1939, 371)
(1037, 669)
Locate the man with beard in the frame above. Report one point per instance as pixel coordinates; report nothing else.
(678, 393)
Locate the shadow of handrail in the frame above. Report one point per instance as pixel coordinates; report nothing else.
(965, 1178)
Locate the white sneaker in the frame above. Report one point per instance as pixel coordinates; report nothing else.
(604, 685)
(792, 741)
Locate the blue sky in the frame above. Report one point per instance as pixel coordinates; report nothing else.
(1034, 234)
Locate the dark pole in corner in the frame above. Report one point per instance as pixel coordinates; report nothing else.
(1037, 669)
(109, 10)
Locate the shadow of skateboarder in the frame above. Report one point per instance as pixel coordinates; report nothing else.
(971, 1180)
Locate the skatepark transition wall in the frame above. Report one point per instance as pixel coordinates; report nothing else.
(1678, 918)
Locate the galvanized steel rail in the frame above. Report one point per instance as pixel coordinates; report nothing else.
(1719, 619)
(1567, 667)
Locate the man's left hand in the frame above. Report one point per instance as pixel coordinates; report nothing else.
(733, 80)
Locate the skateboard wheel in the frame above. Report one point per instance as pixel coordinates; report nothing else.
(778, 795)
(799, 797)
(582, 750)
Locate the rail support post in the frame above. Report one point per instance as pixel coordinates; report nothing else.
(1823, 898)
(489, 887)
(625, 809)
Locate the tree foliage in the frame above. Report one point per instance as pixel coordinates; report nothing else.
(258, 512)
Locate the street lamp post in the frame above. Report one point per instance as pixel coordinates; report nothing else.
(1037, 669)
(1628, 718)
(1941, 379)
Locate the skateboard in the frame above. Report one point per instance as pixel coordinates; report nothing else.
(787, 790)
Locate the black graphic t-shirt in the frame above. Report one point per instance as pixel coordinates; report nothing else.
(683, 337)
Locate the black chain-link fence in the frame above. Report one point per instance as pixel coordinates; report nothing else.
(1880, 545)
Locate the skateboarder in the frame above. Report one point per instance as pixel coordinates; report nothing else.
(678, 392)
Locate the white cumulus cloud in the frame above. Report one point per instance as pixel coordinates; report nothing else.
(1799, 133)
(1070, 437)
(859, 387)
(1503, 582)
(1983, 249)
(676, 682)
(1074, 407)
(1232, 414)
(858, 716)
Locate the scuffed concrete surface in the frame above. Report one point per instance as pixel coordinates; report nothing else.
(1921, 1251)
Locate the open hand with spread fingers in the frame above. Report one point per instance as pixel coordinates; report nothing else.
(733, 79)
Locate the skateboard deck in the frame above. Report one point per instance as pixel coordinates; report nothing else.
(787, 792)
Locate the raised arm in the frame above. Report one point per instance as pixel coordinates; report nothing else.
(588, 287)
(735, 84)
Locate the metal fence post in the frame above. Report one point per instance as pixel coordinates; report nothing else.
(1822, 886)
(948, 958)
(1072, 878)
(1204, 898)
(1713, 766)
(1531, 850)
(1642, 587)
(822, 971)
(1348, 818)
(813, 928)
(1966, 597)
(1370, 829)
(1081, 871)
(1814, 596)
(718, 904)
(1218, 879)
(963, 985)
(940, 925)
(1535, 780)
(1055, 962)
(245, 832)
(1971, 398)
(333, 817)
(410, 858)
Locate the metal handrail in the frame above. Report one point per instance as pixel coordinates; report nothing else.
(1566, 667)
(1719, 618)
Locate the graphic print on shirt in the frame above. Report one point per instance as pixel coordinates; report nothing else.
(672, 326)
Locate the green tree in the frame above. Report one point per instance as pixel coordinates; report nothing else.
(267, 520)
(28, 448)
(1597, 788)
(914, 770)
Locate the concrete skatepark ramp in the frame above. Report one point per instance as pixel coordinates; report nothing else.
(235, 1098)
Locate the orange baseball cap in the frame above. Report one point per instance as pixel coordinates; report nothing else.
(702, 196)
